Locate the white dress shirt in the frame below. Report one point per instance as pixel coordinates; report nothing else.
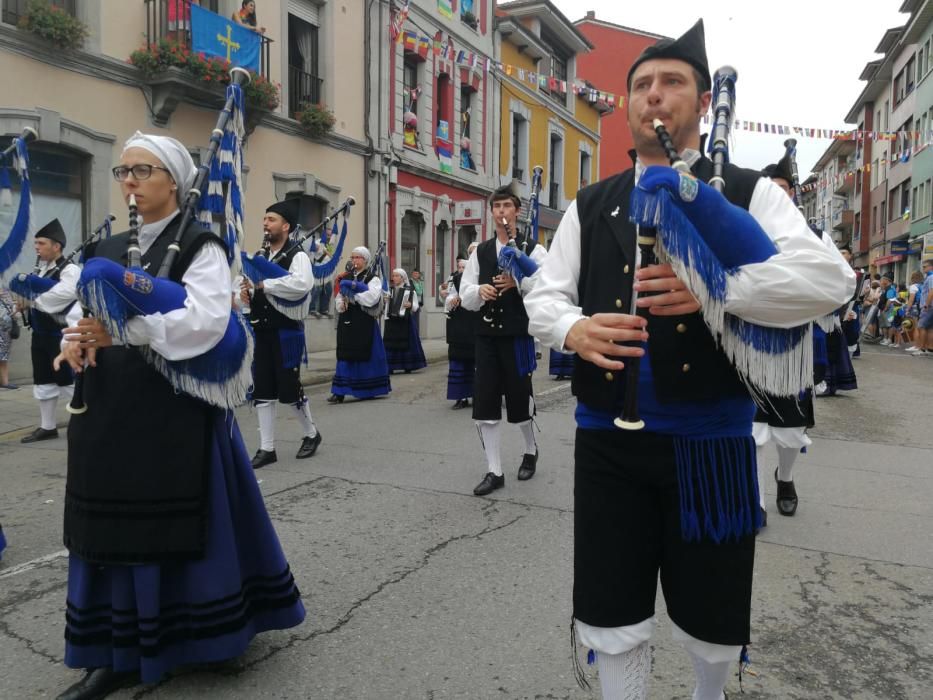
(200, 324)
(469, 283)
(59, 297)
(801, 282)
(297, 283)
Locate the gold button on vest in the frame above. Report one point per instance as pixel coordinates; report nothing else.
(681, 328)
(686, 367)
(610, 376)
(618, 303)
(625, 269)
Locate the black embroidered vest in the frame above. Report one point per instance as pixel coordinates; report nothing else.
(262, 314)
(686, 363)
(505, 315)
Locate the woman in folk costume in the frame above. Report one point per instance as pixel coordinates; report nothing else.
(402, 344)
(361, 357)
(173, 557)
(461, 340)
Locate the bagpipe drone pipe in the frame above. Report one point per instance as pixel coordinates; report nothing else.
(114, 294)
(12, 246)
(707, 239)
(258, 268)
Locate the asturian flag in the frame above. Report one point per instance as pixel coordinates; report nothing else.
(214, 35)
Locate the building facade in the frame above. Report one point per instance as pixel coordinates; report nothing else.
(615, 49)
(432, 127)
(86, 103)
(542, 121)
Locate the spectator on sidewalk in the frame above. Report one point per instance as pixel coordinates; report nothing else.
(7, 323)
(914, 298)
(872, 300)
(925, 322)
(888, 293)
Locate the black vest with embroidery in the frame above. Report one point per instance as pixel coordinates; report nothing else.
(686, 363)
(41, 322)
(505, 315)
(138, 458)
(262, 315)
(355, 327)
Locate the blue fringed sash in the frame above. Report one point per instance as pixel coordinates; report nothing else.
(293, 347)
(716, 478)
(525, 359)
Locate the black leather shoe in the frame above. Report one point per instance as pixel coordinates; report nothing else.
(335, 398)
(262, 458)
(40, 434)
(528, 466)
(458, 404)
(786, 496)
(490, 483)
(309, 446)
(764, 519)
(99, 683)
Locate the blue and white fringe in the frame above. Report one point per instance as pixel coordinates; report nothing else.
(777, 361)
(12, 247)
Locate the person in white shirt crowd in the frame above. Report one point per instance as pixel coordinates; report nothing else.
(642, 497)
(280, 339)
(47, 321)
(505, 352)
(924, 344)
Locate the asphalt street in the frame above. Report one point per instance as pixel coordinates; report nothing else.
(417, 589)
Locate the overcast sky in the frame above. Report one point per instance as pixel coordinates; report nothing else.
(798, 62)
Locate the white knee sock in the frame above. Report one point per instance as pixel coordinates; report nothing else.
(489, 433)
(760, 450)
(711, 677)
(266, 413)
(528, 432)
(303, 411)
(48, 412)
(786, 458)
(711, 663)
(625, 676)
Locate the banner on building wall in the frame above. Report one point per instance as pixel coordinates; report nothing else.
(927, 253)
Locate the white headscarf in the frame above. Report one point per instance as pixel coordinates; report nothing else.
(173, 155)
(364, 251)
(401, 273)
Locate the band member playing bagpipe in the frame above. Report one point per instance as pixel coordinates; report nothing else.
(361, 370)
(46, 317)
(496, 277)
(277, 308)
(461, 339)
(173, 558)
(738, 279)
(400, 337)
(785, 420)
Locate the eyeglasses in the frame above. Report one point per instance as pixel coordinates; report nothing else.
(141, 171)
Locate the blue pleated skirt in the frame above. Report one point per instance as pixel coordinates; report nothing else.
(2, 542)
(460, 380)
(560, 364)
(154, 618)
(364, 380)
(410, 359)
(840, 373)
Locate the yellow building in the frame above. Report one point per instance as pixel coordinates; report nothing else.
(543, 122)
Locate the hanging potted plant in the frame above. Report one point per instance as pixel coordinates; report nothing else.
(53, 25)
(316, 120)
(469, 18)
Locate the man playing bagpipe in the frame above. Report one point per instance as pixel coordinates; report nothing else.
(362, 370)
(676, 495)
(496, 277)
(173, 558)
(47, 321)
(461, 342)
(277, 309)
(784, 420)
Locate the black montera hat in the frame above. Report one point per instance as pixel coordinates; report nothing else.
(690, 47)
(53, 231)
(288, 210)
(510, 190)
(780, 169)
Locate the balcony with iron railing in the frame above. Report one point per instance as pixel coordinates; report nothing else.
(303, 89)
(180, 76)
